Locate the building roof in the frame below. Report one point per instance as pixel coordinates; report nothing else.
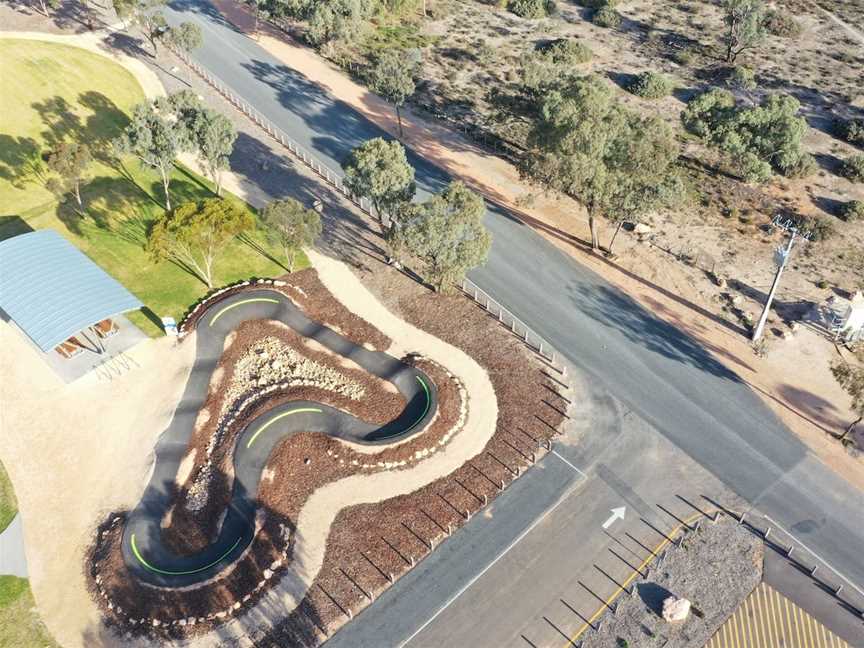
(52, 290)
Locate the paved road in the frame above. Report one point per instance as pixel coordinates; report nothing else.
(652, 367)
(143, 551)
(558, 563)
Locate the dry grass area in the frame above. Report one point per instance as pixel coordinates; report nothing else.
(715, 568)
(471, 74)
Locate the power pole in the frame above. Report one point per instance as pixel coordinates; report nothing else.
(783, 255)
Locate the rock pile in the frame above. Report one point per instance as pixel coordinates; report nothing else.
(269, 364)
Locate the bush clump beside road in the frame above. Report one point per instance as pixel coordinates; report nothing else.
(852, 211)
(532, 8)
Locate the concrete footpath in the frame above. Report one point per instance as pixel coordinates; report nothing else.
(12, 560)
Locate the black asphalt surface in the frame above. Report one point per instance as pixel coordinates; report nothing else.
(655, 369)
(155, 563)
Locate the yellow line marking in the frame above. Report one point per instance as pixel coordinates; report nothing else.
(735, 618)
(749, 615)
(631, 578)
(762, 619)
(775, 616)
(761, 639)
(790, 625)
(276, 418)
(811, 629)
(240, 303)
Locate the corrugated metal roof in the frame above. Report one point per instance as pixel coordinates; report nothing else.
(52, 290)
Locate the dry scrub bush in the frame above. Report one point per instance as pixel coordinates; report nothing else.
(651, 85)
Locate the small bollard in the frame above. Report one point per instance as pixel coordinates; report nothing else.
(838, 590)
(789, 552)
(741, 519)
(813, 571)
(767, 532)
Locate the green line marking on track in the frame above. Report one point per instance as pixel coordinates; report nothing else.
(240, 303)
(276, 418)
(147, 565)
(428, 404)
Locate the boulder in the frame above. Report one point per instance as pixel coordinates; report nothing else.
(675, 610)
(642, 228)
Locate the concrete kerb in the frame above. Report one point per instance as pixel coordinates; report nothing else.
(769, 531)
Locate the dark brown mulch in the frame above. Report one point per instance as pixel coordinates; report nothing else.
(190, 531)
(306, 290)
(370, 545)
(304, 461)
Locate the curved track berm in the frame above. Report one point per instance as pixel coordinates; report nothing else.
(144, 554)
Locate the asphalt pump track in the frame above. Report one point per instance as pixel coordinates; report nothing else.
(144, 553)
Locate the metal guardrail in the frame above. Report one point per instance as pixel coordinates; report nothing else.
(331, 177)
(521, 330)
(334, 179)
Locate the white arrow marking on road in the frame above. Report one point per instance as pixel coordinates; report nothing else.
(617, 514)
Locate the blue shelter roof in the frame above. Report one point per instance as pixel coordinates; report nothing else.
(52, 290)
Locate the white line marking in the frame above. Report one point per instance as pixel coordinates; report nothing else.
(818, 557)
(499, 557)
(555, 452)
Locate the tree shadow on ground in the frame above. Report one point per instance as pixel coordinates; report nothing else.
(13, 225)
(619, 312)
(62, 124)
(275, 174)
(817, 410)
(204, 9)
(20, 161)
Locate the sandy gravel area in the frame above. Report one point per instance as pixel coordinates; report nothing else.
(76, 452)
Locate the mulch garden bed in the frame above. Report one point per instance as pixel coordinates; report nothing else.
(299, 465)
(190, 531)
(371, 545)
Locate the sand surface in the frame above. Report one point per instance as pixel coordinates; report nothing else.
(76, 453)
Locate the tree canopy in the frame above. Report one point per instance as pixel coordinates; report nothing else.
(392, 77)
(193, 234)
(155, 138)
(186, 36)
(147, 14)
(587, 145)
(69, 161)
(745, 26)
(760, 138)
(851, 378)
(291, 226)
(446, 233)
(379, 171)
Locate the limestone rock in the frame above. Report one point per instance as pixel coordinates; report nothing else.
(675, 610)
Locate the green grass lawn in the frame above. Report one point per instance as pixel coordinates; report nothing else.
(54, 92)
(8, 505)
(20, 624)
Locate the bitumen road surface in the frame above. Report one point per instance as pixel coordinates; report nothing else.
(143, 551)
(653, 368)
